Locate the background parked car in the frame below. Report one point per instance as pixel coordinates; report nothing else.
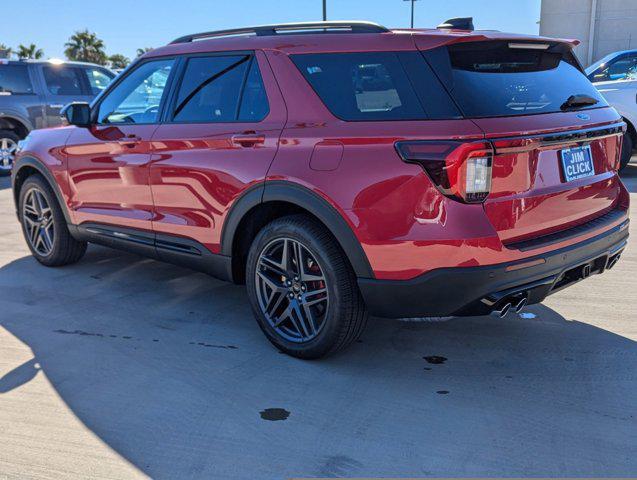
(32, 93)
(614, 66)
(615, 76)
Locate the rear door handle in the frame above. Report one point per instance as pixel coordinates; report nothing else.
(248, 139)
(130, 140)
(56, 105)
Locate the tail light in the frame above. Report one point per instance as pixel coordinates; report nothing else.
(460, 170)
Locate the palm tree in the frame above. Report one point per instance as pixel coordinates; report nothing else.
(30, 51)
(85, 47)
(5, 52)
(118, 61)
(141, 51)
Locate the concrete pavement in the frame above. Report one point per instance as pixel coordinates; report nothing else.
(122, 367)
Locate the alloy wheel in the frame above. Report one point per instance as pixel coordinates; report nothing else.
(38, 222)
(8, 148)
(291, 290)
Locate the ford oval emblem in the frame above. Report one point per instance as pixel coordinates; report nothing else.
(583, 116)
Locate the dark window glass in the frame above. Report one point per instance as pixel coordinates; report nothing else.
(362, 86)
(137, 97)
(254, 101)
(63, 80)
(210, 89)
(15, 79)
(491, 79)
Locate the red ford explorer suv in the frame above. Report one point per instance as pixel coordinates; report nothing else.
(341, 169)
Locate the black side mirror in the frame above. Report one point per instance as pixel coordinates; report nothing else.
(77, 113)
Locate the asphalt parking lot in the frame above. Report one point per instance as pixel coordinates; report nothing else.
(122, 367)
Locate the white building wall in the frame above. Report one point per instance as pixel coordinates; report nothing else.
(612, 27)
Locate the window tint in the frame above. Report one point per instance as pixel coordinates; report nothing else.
(490, 79)
(63, 80)
(211, 89)
(254, 101)
(363, 86)
(98, 79)
(15, 79)
(137, 98)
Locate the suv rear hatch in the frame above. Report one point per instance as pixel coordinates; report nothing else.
(556, 142)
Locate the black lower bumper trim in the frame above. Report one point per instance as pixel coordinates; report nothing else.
(466, 291)
(543, 241)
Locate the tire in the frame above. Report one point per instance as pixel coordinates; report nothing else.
(44, 226)
(333, 309)
(627, 151)
(8, 141)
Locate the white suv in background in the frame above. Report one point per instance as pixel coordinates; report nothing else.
(615, 76)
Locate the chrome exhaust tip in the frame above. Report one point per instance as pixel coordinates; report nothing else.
(613, 260)
(520, 306)
(503, 311)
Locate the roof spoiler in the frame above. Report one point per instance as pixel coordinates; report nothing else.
(459, 23)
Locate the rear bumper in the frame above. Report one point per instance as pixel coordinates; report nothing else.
(466, 291)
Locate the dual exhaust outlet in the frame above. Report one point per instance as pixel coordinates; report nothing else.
(517, 304)
(501, 303)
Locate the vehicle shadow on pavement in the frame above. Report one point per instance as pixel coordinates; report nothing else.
(629, 176)
(169, 368)
(5, 182)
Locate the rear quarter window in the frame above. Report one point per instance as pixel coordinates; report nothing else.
(369, 86)
(14, 79)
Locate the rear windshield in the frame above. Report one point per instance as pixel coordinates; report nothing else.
(376, 85)
(492, 79)
(15, 79)
(470, 80)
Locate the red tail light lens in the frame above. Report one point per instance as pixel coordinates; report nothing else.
(460, 170)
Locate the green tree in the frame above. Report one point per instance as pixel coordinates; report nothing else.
(86, 47)
(141, 51)
(5, 52)
(30, 51)
(118, 61)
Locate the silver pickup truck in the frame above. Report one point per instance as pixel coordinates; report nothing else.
(33, 92)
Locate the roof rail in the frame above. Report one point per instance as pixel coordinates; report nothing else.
(288, 28)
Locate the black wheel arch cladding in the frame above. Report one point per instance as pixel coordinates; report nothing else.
(282, 191)
(26, 162)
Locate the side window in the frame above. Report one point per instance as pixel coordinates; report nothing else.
(254, 100)
(211, 91)
(137, 98)
(210, 88)
(14, 79)
(623, 69)
(98, 79)
(62, 80)
(362, 86)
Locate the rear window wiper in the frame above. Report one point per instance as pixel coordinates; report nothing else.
(577, 101)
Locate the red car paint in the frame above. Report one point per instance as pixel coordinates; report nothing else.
(183, 179)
